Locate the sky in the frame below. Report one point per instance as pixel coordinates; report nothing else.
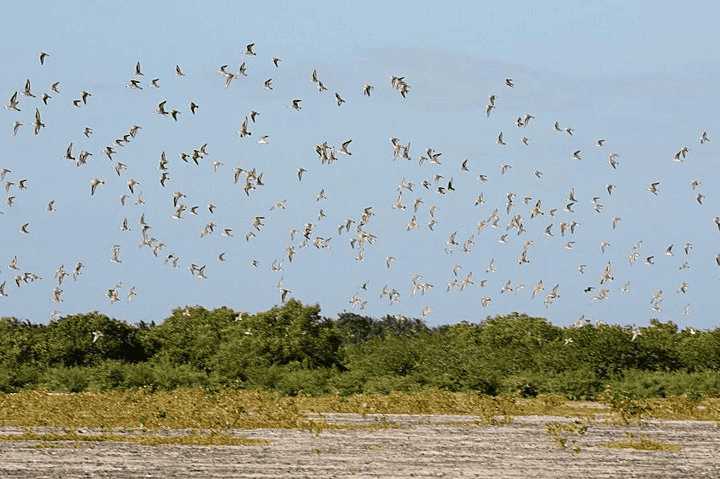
(639, 75)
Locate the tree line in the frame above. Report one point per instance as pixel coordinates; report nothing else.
(292, 349)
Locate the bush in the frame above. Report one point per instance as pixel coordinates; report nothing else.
(16, 377)
(292, 333)
(66, 379)
(70, 341)
(191, 336)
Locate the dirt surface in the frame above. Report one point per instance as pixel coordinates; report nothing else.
(422, 446)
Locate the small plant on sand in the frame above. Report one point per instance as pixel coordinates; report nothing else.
(559, 432)
(626, 410)
(642, 442)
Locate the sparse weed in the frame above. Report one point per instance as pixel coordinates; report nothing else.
(219, 411)
(559, 432)
(625, 410)
(643, 443)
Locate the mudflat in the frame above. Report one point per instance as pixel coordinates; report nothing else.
(406, 446)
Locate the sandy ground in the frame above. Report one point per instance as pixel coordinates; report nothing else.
(422, 446)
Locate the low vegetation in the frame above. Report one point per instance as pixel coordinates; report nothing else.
(642, 442)
(200, 374)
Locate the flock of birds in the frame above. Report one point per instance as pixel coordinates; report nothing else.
(520, 219)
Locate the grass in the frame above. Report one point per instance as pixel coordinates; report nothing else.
(190, 439)
(642, 443)
(209, 415)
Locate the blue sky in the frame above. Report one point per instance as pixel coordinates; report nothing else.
(640, 76)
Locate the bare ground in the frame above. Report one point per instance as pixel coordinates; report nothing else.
(422, 446)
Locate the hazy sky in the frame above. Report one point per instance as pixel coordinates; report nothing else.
(642, 76)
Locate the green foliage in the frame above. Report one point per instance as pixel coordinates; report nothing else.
(293, 350)
(19, 341)
(361, 329)
(289, 334)
(190, 336)
(70, 341)
(16, 377)
(515, 341)
(603, 351)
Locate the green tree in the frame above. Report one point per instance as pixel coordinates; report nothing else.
(292, 333)
(71, 341)
(191, 336)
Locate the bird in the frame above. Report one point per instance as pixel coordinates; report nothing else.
(243, 131)
(38, 122)
(97, 335)
(27, 90)
(344, 148)
(613, 160)
(13, 103)
(94, 184)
